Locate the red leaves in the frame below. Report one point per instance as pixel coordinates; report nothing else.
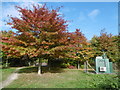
(41, 31)
(5, 38)
(76, 38)
(78, 43)
(32, 44)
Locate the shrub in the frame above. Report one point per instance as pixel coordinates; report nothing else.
(71, 67)
(65, 65)
(82, 66)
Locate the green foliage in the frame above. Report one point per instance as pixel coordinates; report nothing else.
(5, 65)
(82, 66)
(68, 62)
(110, 83)
(65, 65)
(72, 62)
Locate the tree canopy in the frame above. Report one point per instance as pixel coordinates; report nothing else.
(42, 33)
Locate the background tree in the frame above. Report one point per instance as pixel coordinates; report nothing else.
(105, 43)
(7, 51)
(79, 47)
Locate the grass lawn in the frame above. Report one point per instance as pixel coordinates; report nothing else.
(66, 78)
(4, 73)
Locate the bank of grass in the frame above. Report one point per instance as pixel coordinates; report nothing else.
(66, 78)
(4, 73)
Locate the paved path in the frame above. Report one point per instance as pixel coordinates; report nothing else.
(11, 78)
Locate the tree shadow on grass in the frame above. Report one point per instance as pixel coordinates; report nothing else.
(28, 70)
(45, 69)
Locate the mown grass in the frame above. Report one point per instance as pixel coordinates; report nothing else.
(66, 78)
(4, 73)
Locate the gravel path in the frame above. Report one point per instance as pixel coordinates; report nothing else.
(10, 79)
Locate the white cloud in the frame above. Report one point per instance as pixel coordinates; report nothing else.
(4, 25)
(94, 13)
(29, 5)
(11, 10)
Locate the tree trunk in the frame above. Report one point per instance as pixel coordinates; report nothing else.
(84, 66)
(39, 67)
(28, 59)
(87, 66)
(6, 63)
(29, 63)
(49, 64)
(78, 64)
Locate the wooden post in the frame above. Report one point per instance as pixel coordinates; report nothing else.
(91, 67)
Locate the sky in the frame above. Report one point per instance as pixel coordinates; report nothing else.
(89, 17)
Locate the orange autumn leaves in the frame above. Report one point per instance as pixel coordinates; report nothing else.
(42, 31)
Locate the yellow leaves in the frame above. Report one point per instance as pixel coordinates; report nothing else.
(58, 48)
(47, 43)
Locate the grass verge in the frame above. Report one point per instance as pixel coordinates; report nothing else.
(67, 78)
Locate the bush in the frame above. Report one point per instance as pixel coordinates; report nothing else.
(65, 65)
(112, 84)
(82, 66)
(71, 67)
(72, 62)
(5, 65)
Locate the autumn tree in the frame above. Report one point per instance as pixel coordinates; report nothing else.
(7, 51)
(94, 44)
(79, 47)
(105, 43)
(40, 32)
(6, 39)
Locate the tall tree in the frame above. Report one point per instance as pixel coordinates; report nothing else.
(40, 32)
